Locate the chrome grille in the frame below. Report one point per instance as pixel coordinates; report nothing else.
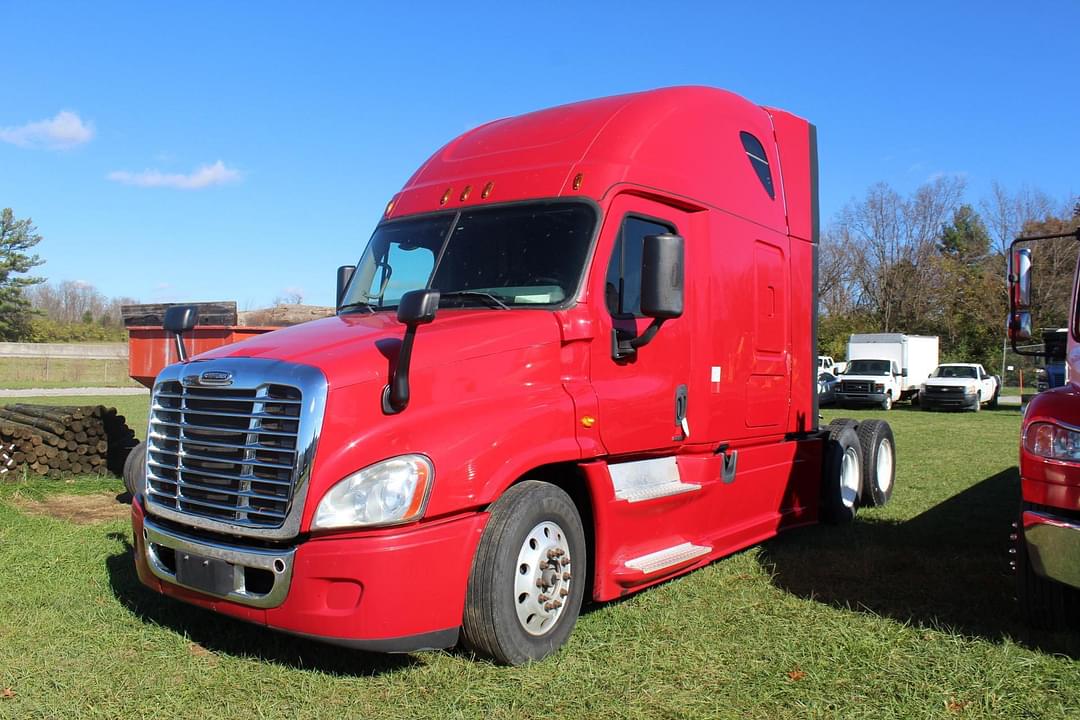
(224, 454)
(855, 386)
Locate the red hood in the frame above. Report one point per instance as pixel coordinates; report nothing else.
(356, 348)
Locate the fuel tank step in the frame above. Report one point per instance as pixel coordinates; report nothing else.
(667, 558)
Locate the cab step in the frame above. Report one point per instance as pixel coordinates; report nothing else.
(668, 558)
(651, 492)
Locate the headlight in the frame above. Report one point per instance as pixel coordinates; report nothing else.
(387, 493)
(1052, 441)
(968, 390)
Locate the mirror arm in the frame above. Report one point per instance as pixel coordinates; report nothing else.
(181, 351)
(395, 397)
(624, 349)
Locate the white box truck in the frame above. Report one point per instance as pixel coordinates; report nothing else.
(885, 367)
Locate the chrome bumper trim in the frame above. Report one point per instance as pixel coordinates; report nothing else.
(278, 562)
(1053, 546)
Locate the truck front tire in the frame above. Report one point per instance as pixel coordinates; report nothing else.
(528, 576)
(135, 467)
(886, 404)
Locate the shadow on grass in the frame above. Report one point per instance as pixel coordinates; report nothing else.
(946, 568)
(221, 634)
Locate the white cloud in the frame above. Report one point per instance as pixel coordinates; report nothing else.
(205, 176)
(65, 130)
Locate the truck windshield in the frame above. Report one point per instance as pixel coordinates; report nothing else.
(954, 371)
(516, 255)
(868, 367)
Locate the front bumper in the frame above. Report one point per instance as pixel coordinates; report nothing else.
(389, 590)
(948, 401)
(849, 398)
(1053, 547)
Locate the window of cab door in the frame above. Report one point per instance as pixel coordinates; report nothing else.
(622, 284)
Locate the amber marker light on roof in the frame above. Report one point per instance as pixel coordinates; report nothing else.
(487, 190)
(465, 193)
(446, 196)
(577, 180)
(389, 208)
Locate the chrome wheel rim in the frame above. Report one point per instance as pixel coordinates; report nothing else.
(849, 477)
(542, 578)
(884, 477)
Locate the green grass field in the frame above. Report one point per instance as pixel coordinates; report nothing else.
(18, 373)
(908, 613)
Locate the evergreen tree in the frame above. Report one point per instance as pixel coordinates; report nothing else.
(16, 236)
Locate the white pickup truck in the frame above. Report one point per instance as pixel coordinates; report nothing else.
(963, 386)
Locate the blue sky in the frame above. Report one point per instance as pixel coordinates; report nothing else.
(189, 151)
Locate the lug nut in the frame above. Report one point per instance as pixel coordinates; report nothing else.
(557, 604)
(549, 606)
(1014, 526)
(565, 561)
(566, 575)
(540, 583)
(1013, 537)
(543, 565)
(1012, 551)
(543, 598)
(564, 592)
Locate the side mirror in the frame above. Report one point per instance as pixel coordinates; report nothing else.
(344, 275)
(178, 320)
(418, 307)
(903, 373)
(662, 276)
(1020, 279)
(1019, 326)
(415, 308)
(661, 290)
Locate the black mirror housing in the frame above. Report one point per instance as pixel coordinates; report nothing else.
(418, 307)
(180, 318)
(344, 275)
(662, 276)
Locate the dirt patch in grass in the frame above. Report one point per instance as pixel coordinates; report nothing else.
(78, 509)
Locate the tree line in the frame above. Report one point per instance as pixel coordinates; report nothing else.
(927, 263)
(930, 263)
(34, 310)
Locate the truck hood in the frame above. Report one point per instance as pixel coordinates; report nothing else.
(951, 382)
(356, 348)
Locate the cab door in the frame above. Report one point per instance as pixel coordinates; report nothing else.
(643, 400)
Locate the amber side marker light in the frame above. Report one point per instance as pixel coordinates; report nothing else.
(465, 193)
(577, 180)
(445, 196)
(487, 190)
(389, 208)
(588, 421)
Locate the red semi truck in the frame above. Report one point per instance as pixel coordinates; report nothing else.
(577, 358)
(1047, 534)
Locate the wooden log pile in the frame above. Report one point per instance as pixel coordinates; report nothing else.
(57, 440)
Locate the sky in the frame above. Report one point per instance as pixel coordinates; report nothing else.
(242, 151)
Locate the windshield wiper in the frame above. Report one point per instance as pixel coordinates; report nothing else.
(366, 305)
(492, 299)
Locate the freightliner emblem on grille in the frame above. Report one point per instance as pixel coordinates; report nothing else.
(210, 377)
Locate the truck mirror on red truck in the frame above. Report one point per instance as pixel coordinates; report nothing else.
(350, 481)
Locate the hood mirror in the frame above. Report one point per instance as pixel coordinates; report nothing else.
(178, 320)
(415, 308)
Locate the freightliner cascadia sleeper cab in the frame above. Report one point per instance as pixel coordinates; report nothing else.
(577, 358)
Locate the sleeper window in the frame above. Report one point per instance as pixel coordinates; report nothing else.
(759, 161)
